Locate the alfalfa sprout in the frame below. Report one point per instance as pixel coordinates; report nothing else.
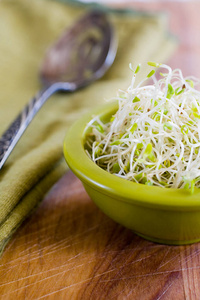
(154, 137)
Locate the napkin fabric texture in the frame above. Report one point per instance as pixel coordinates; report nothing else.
(27, 28)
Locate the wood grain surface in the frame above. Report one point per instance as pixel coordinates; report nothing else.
(70, 250)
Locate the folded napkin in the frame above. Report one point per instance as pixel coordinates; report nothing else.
(27, 28)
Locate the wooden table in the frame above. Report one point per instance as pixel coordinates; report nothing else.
(70, 250)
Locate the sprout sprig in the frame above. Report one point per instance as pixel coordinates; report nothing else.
(154, 137)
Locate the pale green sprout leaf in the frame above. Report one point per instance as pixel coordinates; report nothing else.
(140, 146)
(192, 186)
(112, 119)
(137, 152)
(167, 126)
(170, 91)
(196, 115)
(165, 111)
(149, 183)
(194, 108)
(99, 128)
(116, 168)
(98, 151)
(191, 82)
(151, 73)
(179, 91)
(117, 142)
(153, 64)
(152, 157)
(136, 99)
(184, 129)
(162, 74)
(133, 128)
(127, 167)
(148, 150)
(140, 160)
(187, 186)
(138, 176)
(137, 68)
(156, 116)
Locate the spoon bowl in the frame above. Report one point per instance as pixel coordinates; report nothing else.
(80, 56)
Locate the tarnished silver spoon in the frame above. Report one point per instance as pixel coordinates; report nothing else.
(82, 54)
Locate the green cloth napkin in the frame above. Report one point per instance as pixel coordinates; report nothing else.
(27, 28)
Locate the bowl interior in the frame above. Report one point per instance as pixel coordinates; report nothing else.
(91, 174)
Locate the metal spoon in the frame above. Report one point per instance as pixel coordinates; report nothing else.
(82, 54)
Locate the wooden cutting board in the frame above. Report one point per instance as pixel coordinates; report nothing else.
(70, 250)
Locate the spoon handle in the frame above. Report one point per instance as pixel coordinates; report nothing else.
(12, 135)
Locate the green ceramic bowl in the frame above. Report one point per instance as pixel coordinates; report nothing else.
(168, 216)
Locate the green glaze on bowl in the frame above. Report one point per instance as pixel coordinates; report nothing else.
(168, 216)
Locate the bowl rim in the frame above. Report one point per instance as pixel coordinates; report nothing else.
(88, 172)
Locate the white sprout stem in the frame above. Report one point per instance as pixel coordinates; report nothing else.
(154, 137)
